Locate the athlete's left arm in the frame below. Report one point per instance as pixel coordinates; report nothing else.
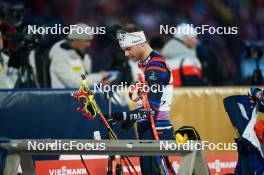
(157, 77)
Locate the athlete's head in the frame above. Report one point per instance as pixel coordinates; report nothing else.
(132, 41)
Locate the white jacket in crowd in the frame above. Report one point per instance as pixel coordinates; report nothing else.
(179, 56)
(67, 66)
(8, 75)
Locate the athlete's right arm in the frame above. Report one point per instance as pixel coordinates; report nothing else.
(130, 116)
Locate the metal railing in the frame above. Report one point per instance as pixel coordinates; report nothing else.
(21, 151)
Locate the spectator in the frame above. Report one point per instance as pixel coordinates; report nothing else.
(8, 75)
(252, 63)
(213, 67)
(157, 43)
(118, 61)
(69, 61)
(181, 54)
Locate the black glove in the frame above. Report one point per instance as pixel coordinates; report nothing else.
(115, 117)
(126, 125)
(130, 116)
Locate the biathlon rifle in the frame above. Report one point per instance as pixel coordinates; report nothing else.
(90, 109)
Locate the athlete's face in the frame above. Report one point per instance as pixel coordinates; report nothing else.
(133, 52)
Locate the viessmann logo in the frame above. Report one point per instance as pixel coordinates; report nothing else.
(67, 171)
(217, 165)
(79, 171)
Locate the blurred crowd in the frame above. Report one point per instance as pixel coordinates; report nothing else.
(221, 58)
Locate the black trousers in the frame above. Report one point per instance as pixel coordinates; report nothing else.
(151, 165)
